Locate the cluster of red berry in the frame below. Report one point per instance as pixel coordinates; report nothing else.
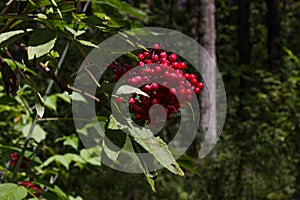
(166, 83)
(14, 157)
(34, 188)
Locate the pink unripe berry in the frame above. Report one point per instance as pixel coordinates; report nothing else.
(119, 100)
(157, 69)
(173, 91)
(156, 46)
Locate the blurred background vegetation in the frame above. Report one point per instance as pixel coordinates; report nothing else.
(257, 155)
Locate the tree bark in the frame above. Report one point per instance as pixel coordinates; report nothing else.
(244, 32)
(274, 39)
(208, 97)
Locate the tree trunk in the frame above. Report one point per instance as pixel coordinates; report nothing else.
(208, 97)
(274, 40)
(244, 32)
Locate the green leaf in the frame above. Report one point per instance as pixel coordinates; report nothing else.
(72, 141)
(67, 98)
(102, 16)
(127, 89)
(59, 192)
(65, 160)
(51, 102)
(41, 42)
(150, 180)
(123, 7)
(38, 133)
(77, 97)
(10, 191)
(155, 146)
(40, 109)
(79, 32)
(87, 43)
(53, 188)
(75, 198)
(187, 163)
(111, 154)
(92, 155)
(13, 64)
(11, 36)
(114, 124)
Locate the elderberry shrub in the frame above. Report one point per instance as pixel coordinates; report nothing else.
(158, 66)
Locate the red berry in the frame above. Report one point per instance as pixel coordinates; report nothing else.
(154, 86)
(148, 61)
(138, 116)
(167, 74)
(182, 92)
(200, 85)
(186, 76)
(157, 69)
(173, 91)
(138, 79)
(155, 58)
(192, 76)
(154, 101)
(165, 64)
(141, 63)
(146, 54)
(172, 57)
(194, 81)
(119, 100)
(131, 101)
(163, 54)
(163, 60)
(152, 72)
(182, 65)
(130, 81)
(147, 88)
(188, 91)
(178, 71)
(175, 65)
(146, 79)
(147, 70)
(155, 46)
(197, 90)
(173, 76)
(141, 56)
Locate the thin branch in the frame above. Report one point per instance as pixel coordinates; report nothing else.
(93, 77)
(82, 92)
(7, 7)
